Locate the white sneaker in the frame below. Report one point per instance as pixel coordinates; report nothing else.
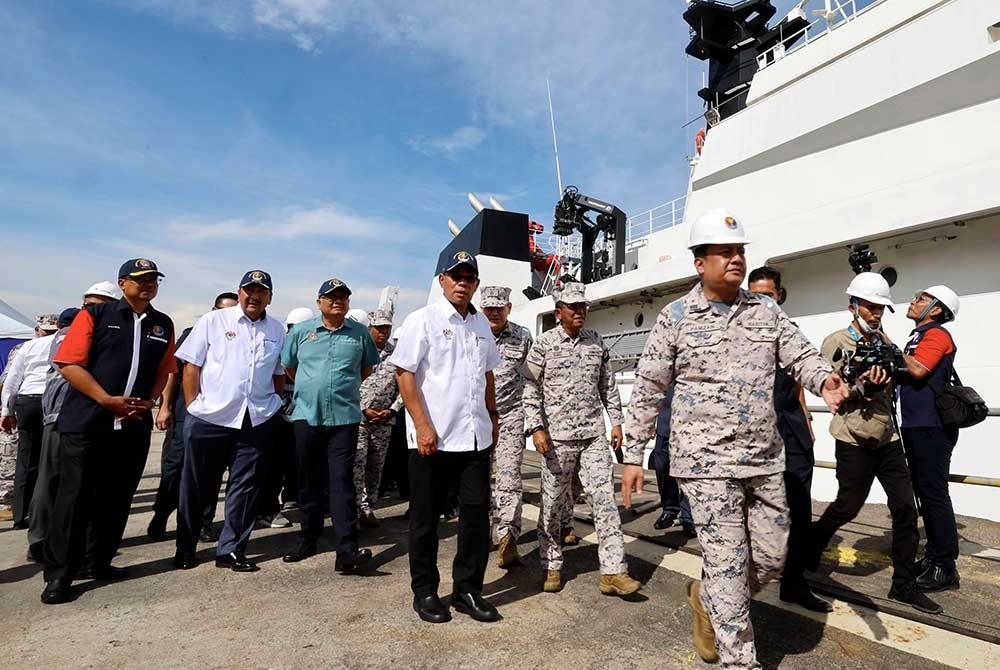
(279, 520)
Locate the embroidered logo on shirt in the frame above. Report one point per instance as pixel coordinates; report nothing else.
(312, 335)
(158, 331)
(230, 334)
(447, 333)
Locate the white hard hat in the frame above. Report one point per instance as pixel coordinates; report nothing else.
(717, 226)
(359, 315)
(871, 286)
(103, 288)
(946, 297)
(298, 315)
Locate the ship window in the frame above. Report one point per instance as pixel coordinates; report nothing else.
(638, 319)
(889, 274)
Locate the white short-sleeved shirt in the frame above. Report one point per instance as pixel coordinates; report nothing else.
(450, 357)
(238, 360)
(28, 372)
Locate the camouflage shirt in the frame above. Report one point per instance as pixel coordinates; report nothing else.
(380, 390)
(568, 382)
(722, 366)
(514, 341)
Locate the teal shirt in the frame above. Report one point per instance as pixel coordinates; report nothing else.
(328, 367)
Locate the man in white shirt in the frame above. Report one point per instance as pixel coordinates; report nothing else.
(21, 401)
(232, 385)
(444, 360)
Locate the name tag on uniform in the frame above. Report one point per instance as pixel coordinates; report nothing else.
(158, 339)
(759, 323)
(111, 325)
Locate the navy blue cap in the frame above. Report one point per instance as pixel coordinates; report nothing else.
(257, 277)
(137, 267)
(67, 315)
(331, 285)
(449, 263)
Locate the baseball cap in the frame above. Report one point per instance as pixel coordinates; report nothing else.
(257, 277)
(137, 267)
(331, 285)
(67, 315)
(449, 263)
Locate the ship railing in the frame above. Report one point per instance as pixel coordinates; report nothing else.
(663, 216)
(842, 11)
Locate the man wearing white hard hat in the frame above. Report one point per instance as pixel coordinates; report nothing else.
(101, 292)
(868, 446)
(719, 346)
(930, 360)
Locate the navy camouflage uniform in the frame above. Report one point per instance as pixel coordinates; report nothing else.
(569, 385)
(725, 448)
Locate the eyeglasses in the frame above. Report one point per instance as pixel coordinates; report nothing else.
(146, 280)
(920, 296)
(463, 278)
(335, 297)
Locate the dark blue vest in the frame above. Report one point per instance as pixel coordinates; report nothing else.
(916, 397)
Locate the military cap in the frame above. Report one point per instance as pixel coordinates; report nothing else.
(380, 317)
(494, 296)
(571, 293)
(47, 321)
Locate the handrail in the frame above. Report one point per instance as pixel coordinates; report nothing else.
(666, 215)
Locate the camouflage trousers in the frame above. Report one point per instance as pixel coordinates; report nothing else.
(373, 443)
(743, 527)
(508, 455)
(8, 462)
(596, 474)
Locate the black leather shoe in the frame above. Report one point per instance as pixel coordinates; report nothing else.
(106, 574)
(19, 525)
(157, 528)
(301, 552)
(185, 560)
(807, 599)
(688, 530)
(938, 578)
(431, 609)
(352, 561)
(56, 592)
(236, 561)
(665, 520)
(475, 606)
(911, 596)
(921, 566)
(208, 535)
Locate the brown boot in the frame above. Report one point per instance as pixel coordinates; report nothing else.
(704, 634)
(553, 581)
(507, 552)
(569, 537)
(619, 585)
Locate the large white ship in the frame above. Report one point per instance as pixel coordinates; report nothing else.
(870, 125)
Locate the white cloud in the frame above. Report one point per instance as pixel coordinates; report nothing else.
(463, 139)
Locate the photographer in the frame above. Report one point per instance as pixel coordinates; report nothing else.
(929, 359)
(867, 445)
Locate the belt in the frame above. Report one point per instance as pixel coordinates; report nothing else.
(29, 395)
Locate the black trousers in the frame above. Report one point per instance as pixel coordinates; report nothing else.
(43, 499)
(431, 477)
(799, 462)
(99, 471)
(395, 472)
(857, 468)
(209, 450)
(928, 451)
(280, 479)
(671, 498)
(171, 465)
(28, 410)
(324, 457)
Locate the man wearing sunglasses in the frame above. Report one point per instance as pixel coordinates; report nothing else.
(444, 361)
(116, 358)
(930, 359)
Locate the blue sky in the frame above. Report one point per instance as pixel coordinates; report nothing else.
(316, 138)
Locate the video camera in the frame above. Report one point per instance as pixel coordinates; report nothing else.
(868, 355)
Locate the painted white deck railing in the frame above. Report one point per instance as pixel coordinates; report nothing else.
(662, 216)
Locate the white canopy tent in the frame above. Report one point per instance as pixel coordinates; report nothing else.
(15, 325)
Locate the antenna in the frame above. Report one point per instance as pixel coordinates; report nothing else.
(555, 144)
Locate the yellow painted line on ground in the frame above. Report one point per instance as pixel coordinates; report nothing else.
(950, 649)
